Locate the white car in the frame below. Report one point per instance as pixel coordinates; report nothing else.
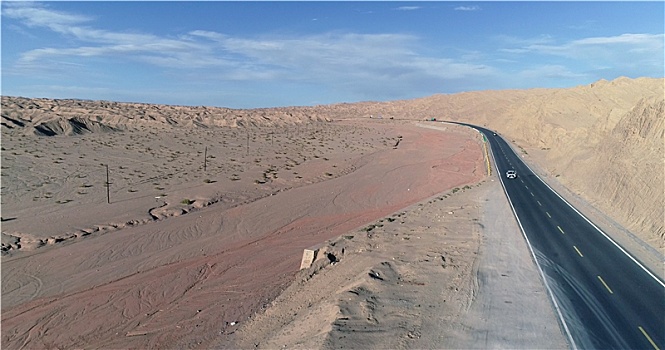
(511, 174)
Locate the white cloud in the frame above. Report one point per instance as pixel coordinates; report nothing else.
(599, 47)
(100, 42)
(32, 14)
(408, 8)
(335, 60)
(550, 71)
(467, 8)
(637, 53)
(514, 50)
(516, 41)
(582, 59)
(631, 39)
(341, 57)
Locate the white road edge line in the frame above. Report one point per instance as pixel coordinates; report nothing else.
(533, 254)
(597, 228)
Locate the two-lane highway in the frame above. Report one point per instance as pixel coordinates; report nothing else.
(604, 297)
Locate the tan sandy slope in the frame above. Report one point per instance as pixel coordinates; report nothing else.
(604, 140)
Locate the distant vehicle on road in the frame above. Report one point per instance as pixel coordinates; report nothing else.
(511, 174)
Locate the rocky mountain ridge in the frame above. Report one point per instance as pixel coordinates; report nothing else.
(51, 117)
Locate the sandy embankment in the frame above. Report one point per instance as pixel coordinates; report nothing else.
(451, 272)
(181, 281)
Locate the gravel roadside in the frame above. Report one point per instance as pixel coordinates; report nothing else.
(512, 308)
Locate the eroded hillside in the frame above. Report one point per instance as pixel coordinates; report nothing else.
(51, 117)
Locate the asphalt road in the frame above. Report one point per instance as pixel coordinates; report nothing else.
(604, 297)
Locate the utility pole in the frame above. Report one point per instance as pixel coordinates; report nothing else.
(205, 158)
(108, 186)
(247, 142)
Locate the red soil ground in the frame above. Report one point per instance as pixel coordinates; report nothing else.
(186, 281)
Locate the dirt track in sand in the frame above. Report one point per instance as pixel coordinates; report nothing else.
(182, 281)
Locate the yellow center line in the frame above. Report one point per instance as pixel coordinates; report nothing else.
(605, 284)
(578, 251)
(549, 216)
(648, 338)
(560, 229)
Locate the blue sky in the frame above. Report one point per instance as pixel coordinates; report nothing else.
(270, 54)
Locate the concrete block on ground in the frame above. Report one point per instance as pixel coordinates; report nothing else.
(312, 254)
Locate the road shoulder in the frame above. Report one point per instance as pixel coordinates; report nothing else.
(512, 308)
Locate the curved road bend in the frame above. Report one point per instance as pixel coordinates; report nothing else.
(604, 297)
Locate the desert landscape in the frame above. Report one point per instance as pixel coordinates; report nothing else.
(196, 241)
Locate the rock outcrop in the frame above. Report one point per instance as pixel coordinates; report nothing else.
(52, 117)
